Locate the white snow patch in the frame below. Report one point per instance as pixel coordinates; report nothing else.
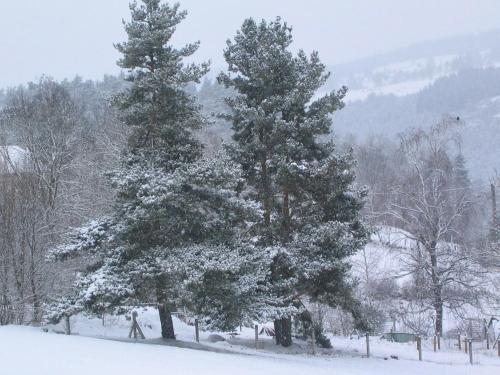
(397, 89)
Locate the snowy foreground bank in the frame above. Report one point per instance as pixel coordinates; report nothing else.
(30, 351)
(27, 351)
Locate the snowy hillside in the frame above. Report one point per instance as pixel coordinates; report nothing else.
(383, 255)
(409, 70)
(402, 77)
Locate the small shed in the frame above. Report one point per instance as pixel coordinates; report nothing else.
(400, 337)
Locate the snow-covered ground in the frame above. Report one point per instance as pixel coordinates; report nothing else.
(26, 350)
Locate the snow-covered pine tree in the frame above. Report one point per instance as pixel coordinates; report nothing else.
(177, 217)
(311, 209)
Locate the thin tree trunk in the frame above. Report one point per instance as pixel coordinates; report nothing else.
(438, 306)
(495, 234)
(266, 202)
(35, 298)
(286, 322)
(438, 298)
(286, 216)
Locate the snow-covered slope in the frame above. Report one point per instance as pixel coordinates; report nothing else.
(383, 256)
(409, 70)
(402, 78)
(30, 351)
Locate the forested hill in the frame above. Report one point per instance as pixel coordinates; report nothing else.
(473, 95)
(417, 85)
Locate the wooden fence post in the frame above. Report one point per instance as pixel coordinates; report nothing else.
(196, 330)
(367, 345)
(256, 336)
(419, 347)
(439, 341)
(434, 342)
(498, 347)
(470, 351)
(68, 326)
(459, 342)
(135, 329)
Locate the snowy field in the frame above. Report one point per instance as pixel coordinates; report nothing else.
(27, 350)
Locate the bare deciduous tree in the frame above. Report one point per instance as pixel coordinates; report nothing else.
(431, 209)
(45, 121)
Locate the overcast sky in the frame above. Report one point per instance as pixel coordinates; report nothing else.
(62, 38)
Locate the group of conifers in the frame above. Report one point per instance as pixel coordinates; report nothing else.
(253, 234)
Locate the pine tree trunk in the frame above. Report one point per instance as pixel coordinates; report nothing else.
(286, 334)
(167, 325)
(277, 331)
(283, 331)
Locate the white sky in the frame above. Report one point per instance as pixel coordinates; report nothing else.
(62, 38)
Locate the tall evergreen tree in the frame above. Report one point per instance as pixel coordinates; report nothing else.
(461, 189)
(176, 215)
(157, 106)
(460, 173)
(310, 222)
